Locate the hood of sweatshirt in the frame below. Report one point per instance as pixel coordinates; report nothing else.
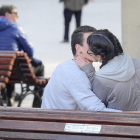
(5, 23)
(120, 68)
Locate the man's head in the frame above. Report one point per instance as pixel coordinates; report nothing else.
(79, 40)
(9, 11)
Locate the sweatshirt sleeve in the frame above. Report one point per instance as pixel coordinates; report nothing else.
(25, 44)
(89, 70)
(80, 89)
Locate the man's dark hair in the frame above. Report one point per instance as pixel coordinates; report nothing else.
(6, 8)
(77, 36)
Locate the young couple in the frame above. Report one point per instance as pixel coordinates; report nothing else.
(75, 85)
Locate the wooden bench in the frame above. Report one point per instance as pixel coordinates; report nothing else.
(42, 124)
(15, 67)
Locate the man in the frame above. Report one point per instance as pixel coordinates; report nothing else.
(69, 88)
(72, 7)
(13, 38)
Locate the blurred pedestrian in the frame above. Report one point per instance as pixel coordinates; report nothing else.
(13, 38)
(72, 7)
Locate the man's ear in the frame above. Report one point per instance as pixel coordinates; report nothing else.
(78, 48)
(7, 14)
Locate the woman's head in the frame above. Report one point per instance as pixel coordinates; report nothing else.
(104, 46)
(117, 46)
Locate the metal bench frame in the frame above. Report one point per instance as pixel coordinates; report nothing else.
(15, 74)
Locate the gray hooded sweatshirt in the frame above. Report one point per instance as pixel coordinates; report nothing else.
(117, 83)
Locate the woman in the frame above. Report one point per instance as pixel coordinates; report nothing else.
(117, 83)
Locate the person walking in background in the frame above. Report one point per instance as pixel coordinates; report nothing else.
(72, 7)
(13, 38)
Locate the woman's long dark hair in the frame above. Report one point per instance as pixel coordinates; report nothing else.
(104, 43)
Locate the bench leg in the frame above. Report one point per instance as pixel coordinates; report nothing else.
(22, 96)
(20, 100)
(26, 91)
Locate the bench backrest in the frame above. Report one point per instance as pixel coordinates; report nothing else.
(66, 124)
(15, 67)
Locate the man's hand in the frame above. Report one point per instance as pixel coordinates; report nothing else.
(80, 61)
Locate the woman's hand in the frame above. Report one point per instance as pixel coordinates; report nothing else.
(80, 61)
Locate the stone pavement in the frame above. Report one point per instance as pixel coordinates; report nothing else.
(42, 20)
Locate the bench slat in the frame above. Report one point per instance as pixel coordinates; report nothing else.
(18, 53)
(6, 67)
(49, 136)
(30, 79)
(71, 112)
(14, 81)
(29, 75)
(14, 77)
(70, 116)
(7, 55)
(111, 120)
(27, 70)
(22, 54)
(25, 65)
(7, 61)
(5, 73)
(55, 127)
(4, 80)
(24, 59)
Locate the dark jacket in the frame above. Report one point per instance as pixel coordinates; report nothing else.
(74, 5)
(13, 38)
(86, 1)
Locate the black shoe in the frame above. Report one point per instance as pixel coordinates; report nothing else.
(9, 102)
(65, 41)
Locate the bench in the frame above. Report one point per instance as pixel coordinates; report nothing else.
(15, 67)
(42, 124)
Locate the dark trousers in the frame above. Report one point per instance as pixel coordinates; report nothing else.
(39, 71)
(10, 90)
(67, 16)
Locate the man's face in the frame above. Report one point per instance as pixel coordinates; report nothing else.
(85, 48)
(13, 15)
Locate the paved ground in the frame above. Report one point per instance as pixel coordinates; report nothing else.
(42, 21)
